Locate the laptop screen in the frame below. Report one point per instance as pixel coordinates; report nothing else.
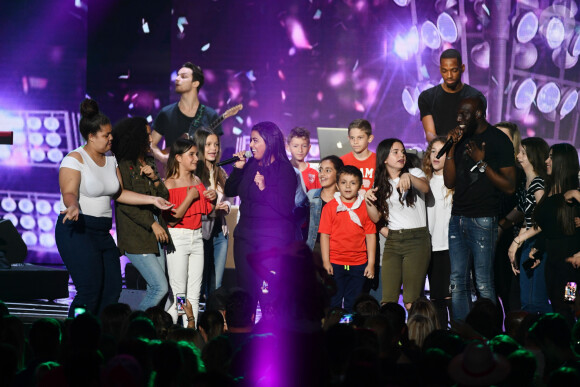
(333, 141)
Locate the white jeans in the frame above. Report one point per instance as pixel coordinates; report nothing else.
(185, 268)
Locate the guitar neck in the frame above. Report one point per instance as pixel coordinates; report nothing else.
(217, 122)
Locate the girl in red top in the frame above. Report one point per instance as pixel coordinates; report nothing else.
(191, 200)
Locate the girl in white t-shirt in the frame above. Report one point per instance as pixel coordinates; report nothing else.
(438, 202)
(399, 199)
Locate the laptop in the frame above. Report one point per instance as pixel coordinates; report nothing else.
(333, 141)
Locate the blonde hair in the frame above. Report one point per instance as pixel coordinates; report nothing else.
(419, 328)
(428, 166)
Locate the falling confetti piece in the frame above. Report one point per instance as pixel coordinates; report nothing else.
(149, 118)
(283, 96)
(240, 119)
(281, 75)
(125, 76)
(181, 22)
(250, 75)
(355, 66)
(317, 15)
(297, 34)
(131, 106)
(237, 131)
(126, 98)
(320, 96)
(292, 51)
(145, 26)
(205, 47)
(359, 106)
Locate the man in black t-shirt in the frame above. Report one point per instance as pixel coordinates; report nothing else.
(184, 116)
(480, 165)
(438, 105)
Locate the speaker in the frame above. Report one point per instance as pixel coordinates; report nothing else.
(12, 247)
(132, 297)
(134, 279)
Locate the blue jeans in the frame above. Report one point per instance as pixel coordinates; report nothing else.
(92, 259)
(471, 244)
(533, 292)
(152, 268)
(215, 256)
(349, 284)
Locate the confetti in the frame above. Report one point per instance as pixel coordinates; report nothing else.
(145, 26)
(237, 131)
(125, 76)
(320, 96)
(240, 120)
(317, 15)
(283, 94)
(355, 66)
(297, 34)
(181, 22)
(149, 118)
(131, 106)
(359, 106)
(292, 51)
(250, 75)
(205, 47)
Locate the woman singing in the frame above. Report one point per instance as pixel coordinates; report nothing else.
(89, 178)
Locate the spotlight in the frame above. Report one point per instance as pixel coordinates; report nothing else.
(548, 97)
(27, 222)
(53, 139)
(527, 27)
(35, 138)
(430, 35)
(526, 55)
(43, 207)
(51, 123)
(569, 60)
(37, 155)
(4, 152)
(12, 218)
(554, 32)
(26, 206)
(47, 240)
(409, 98)
(568, 102)
(45, 223)
(33, 123)
(574, 46)
(29, 238)
(442, 5)
(55, 155)
(480, 55)
(56, 207)
(8, 204)
(525, 94)
(448, 27)
(402, 3)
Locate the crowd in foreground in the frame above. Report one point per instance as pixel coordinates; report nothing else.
(299, 340)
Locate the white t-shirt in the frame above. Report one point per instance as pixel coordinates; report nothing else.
(400, 215)
(438, 213)
(98, 184)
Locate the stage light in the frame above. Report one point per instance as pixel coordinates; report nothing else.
(448, 27)
(12, 218)
(402, 3)
(554, 32)
(430, 35)
(53, 139)
(569, 60)
(8, 204)
(17, 123)
(26, 206)
(29, 238)
(56, 207)
(33, 123)
(55, 155)
(37, 155)
(43, 207)
(526, 55)
(45, 223)
(27, 222)
(4, 152)
(408, 45)
(525, 94)
(442, 5)
(47, 240)
(568, 102)
(51, 123)
(574, 46)
(548, 97)
(35, 138)
(480, 55)
(527, 27)
(19, 138)
(409, 98)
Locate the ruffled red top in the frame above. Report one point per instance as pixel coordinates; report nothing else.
(192, 218)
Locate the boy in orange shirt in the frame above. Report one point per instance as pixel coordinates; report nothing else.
(347, 238)
(360, 135)
(298, 144)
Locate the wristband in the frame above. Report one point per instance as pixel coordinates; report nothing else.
(190, 318)
(517, 243)
(155, 181)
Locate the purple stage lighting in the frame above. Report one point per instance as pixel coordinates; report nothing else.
(554, 32)
(548, 97)
(569, 101)
(430, 35)
(448, 28)
(527, 27)
(525, 94)
(526, 55)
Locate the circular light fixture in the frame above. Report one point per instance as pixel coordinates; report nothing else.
(480, 55)
(574, 46)
(430, 35)
(448, 28)
(45, 223)
(26, 206)
(526, 55)
(569, 60)
(53, 139)
(409, 99)
(548, 97)
(33, 123)
(51, 123)
(43, 207)
(402, 3)
(35, 138)
(55, 155)
(27, 222)
(527, 27)
(568, 102)
(8, 204)
(4, 152)
(56, 208)
(47, 240)
(525, 94)
(37, 155)
(12, 218)
(29, 238)
(554, 32)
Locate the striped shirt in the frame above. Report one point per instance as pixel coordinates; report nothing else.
(527, 200)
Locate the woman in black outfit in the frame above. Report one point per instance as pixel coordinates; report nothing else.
(558, 235)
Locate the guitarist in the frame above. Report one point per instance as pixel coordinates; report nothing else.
(186, 115)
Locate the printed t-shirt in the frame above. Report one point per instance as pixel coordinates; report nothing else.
(310, 178)
(367, 167)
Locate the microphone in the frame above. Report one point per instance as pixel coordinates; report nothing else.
(448, 144)
(248, 154)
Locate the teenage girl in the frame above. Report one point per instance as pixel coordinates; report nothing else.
(214, 227)
(439, 202)
(191, 200)
(399, 199)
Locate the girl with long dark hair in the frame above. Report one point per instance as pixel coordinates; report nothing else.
(141, 230)
(398, 198)
(214, 227)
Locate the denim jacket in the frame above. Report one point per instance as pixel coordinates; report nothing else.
(315, 212)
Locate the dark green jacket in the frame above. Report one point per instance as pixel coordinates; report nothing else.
(134, 232)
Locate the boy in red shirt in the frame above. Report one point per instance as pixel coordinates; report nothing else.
(298, 144)
(360, 135)
(347, 238)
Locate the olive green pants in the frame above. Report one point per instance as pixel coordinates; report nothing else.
(405, 262)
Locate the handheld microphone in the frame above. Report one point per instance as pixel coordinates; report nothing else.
(247, 155)
(448, 144)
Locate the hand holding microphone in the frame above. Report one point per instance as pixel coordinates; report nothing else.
(239, 159)
(455, 136)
